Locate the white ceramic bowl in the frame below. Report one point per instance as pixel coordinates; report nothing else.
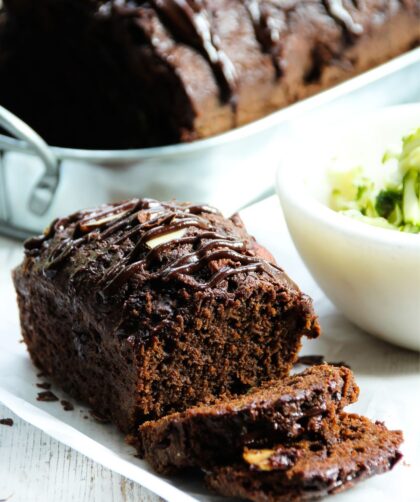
(371, 274)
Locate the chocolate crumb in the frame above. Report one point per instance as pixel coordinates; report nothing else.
(47, 396)
(6, 421)
(311, 360)
(67, 405)
(44, 385)
(98, 417)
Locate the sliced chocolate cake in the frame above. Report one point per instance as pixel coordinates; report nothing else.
(145, 308)
(303, 404)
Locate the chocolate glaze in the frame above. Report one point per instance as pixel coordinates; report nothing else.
(141, 220)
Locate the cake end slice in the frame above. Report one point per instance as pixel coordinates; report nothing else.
(311, 469)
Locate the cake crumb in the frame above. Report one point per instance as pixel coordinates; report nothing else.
(44, 385)
(98, 417)
(67, 405)
(6, 421)
(47, 396)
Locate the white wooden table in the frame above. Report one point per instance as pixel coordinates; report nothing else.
(36, 468)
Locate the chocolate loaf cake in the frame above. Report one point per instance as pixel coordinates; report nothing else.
(145, 308)
(310, 469)
(204, 436)
(135, 73)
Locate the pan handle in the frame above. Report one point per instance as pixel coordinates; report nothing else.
(44, 190)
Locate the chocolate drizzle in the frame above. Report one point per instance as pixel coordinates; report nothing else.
(141, 222)
(189, 21)
(269, 21)
(336, 10)
(267, 29)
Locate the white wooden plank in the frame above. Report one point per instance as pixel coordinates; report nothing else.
(36, 468)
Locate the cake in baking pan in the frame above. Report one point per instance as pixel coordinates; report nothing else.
(131, 73)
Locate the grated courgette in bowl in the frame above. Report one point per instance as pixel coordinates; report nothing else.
(391, 201)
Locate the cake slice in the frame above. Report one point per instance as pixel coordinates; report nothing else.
(214, 435)
(310, 469)
(144, 308)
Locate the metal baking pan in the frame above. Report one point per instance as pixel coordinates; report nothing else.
(38, 182)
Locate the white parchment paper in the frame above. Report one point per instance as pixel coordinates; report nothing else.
(389, 378)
